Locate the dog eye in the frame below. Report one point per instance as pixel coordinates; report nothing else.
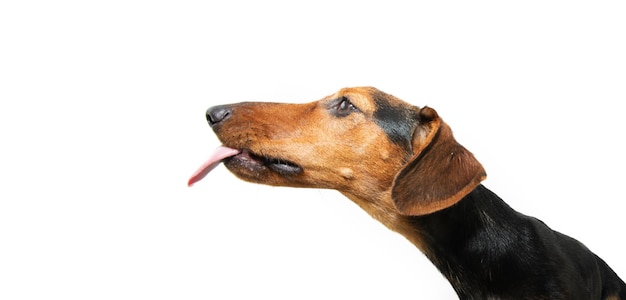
(343, 106)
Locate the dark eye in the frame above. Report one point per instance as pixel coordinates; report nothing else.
(343, 107)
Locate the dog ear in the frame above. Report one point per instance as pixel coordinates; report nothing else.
(440, 173)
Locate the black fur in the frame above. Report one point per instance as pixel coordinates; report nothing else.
(486, 249)
(396, 121)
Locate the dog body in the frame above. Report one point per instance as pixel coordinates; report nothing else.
(402, 165)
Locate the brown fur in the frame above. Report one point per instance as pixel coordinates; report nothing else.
(402, 165)
(437, 178)
(353, 155)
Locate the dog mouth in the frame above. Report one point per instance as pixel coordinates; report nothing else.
(245, 159)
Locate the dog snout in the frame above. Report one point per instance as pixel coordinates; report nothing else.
(217, 114)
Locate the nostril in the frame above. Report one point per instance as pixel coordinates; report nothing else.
(217, 114)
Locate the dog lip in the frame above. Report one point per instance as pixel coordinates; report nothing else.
(247, 157)
(284, 167)
(252, 160)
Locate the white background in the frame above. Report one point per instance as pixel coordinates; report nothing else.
(102, 122)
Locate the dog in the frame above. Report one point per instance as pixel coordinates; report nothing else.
(402, 165)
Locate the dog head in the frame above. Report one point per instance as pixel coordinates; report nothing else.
(371, 146)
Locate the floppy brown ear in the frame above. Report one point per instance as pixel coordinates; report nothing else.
(440, 173)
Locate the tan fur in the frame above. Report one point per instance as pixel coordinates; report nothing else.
(350, 154)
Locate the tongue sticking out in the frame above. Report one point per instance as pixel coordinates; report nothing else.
(221, 153)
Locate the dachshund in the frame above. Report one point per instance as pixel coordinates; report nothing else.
(402, 165)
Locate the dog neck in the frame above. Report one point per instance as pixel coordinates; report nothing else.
(470, 242)
(462, 240)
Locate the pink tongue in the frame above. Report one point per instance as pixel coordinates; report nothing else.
(221, 153)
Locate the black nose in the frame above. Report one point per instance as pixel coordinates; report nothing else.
(218, 114)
